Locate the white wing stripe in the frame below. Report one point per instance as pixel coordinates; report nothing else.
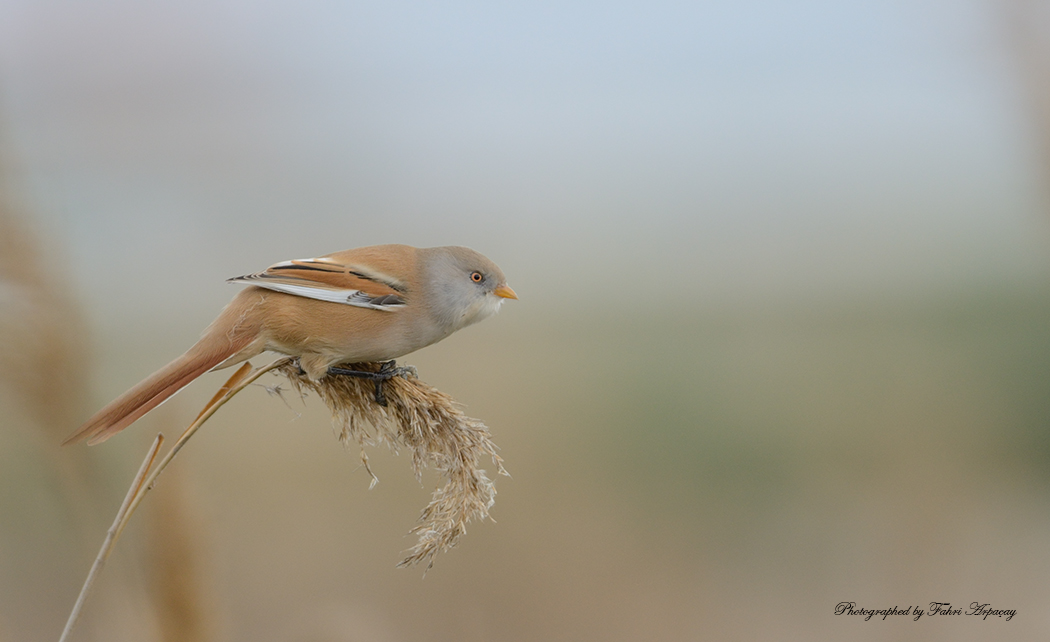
(347, 297)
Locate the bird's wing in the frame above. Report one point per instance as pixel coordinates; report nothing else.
(328, 279)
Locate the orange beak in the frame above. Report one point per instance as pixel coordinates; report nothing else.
(505, 292)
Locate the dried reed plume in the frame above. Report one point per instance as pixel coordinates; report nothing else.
(415, 416)
(429, 424)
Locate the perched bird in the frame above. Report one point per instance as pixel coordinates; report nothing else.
(368, 304)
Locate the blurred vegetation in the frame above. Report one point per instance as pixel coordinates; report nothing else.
(680, 471)
(716, 450)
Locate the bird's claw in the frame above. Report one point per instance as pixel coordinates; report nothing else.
(386, 372)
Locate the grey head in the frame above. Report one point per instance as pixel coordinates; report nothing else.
(462, 286)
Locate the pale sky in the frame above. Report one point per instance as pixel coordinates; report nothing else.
(595, 150)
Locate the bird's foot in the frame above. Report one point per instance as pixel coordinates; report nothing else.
(386, 372)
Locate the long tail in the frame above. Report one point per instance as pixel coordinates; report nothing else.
(152, 391)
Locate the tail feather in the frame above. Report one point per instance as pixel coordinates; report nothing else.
(151, 392)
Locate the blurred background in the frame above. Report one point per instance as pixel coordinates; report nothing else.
(782, 340)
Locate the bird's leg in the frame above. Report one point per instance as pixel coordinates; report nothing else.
(386, 372)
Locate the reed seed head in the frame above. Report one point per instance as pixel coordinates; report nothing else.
(429, 424)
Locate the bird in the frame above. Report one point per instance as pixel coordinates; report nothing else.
(367, 304)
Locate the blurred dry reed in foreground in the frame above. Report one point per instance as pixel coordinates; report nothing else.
(41, 328)
(44, 365)
(185, 602)
(1027, 34)
(427, 422)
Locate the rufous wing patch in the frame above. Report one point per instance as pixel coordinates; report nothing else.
(326, 280)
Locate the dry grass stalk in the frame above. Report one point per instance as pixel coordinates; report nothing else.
(418, 417)
(147, 477)
(126, 508)
(180, 582)
(44, 346)
(429, 424)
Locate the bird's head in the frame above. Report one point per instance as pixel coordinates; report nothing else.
(464, 287)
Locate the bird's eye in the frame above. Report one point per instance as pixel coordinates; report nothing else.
(476, 277)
